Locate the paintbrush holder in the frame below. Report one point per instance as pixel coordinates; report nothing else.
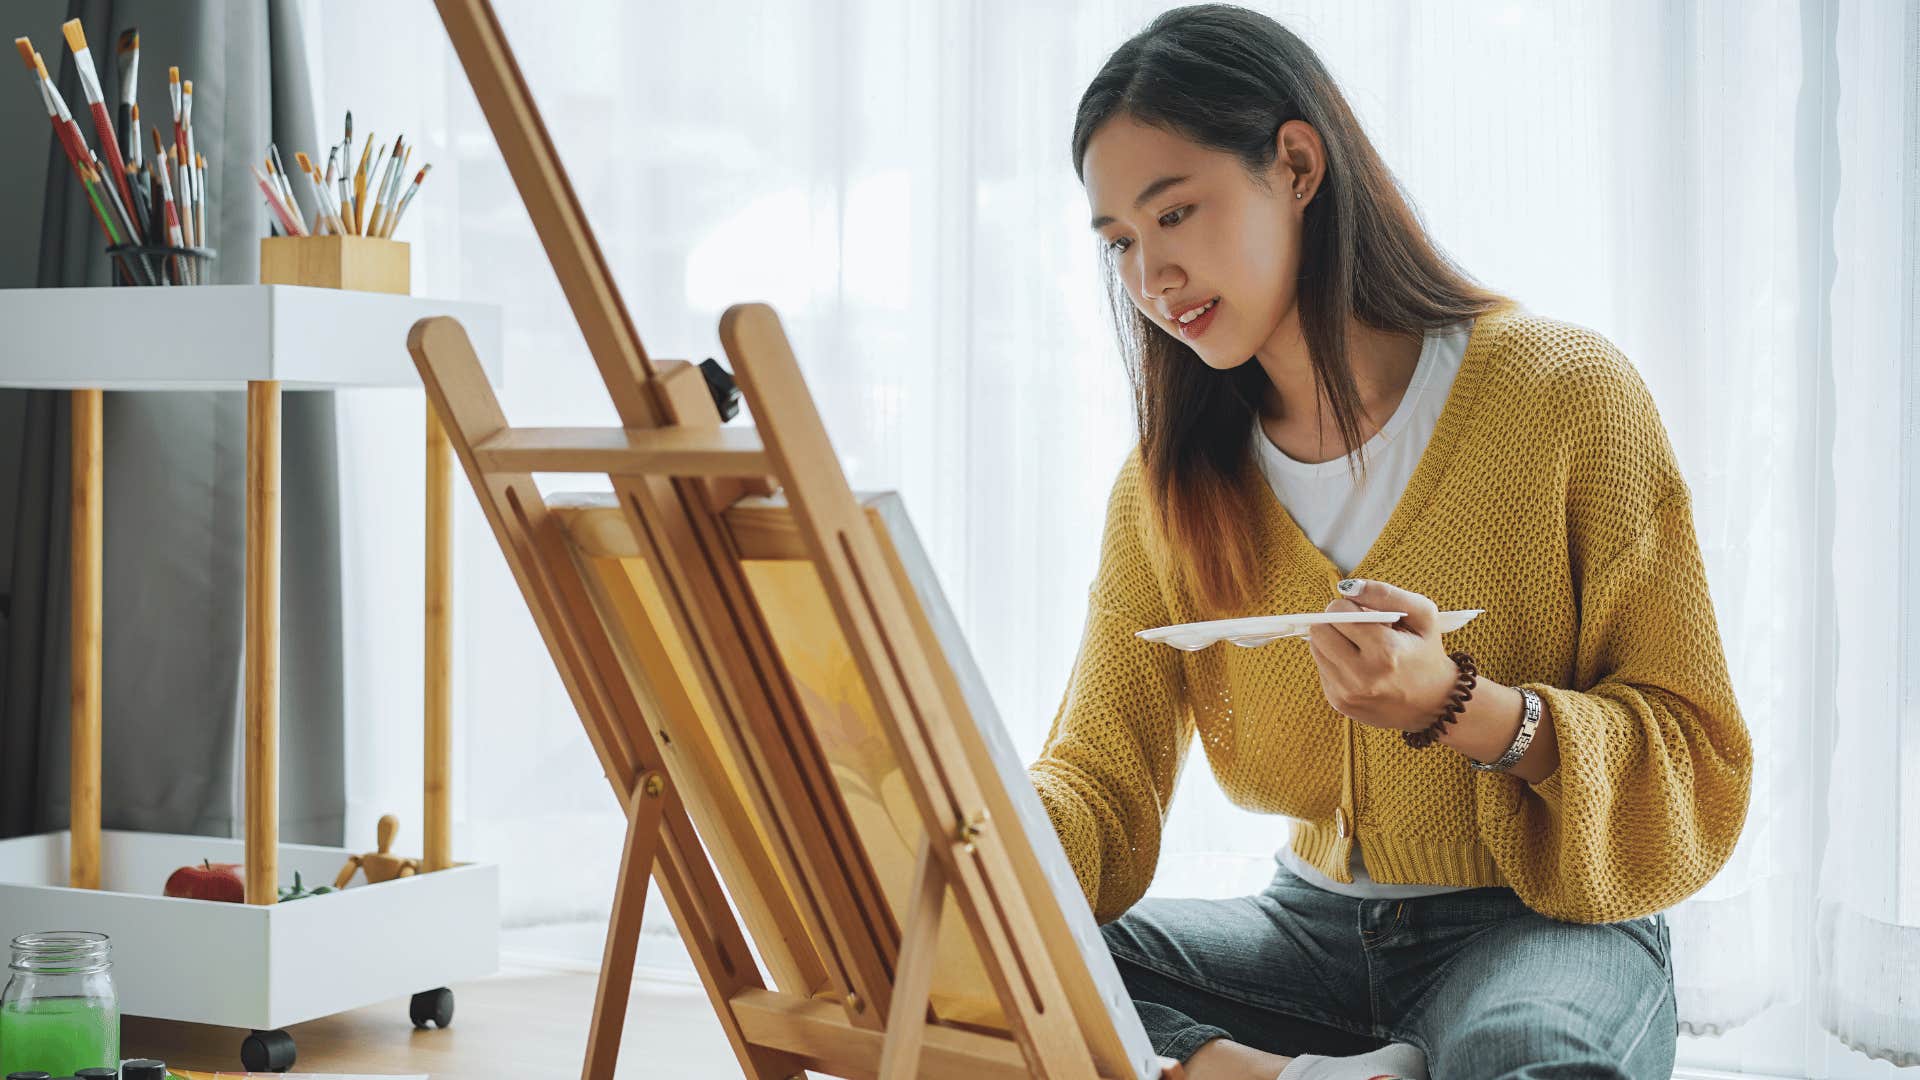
(360, 263)
(161, 264)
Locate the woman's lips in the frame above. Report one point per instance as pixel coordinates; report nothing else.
(1194, 329)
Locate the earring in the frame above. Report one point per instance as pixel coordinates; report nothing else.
(1298, 195)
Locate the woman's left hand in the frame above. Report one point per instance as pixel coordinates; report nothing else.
(1384, 675)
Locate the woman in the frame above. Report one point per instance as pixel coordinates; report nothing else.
(1488, 828)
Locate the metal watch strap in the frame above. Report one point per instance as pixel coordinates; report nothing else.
(1529, 720)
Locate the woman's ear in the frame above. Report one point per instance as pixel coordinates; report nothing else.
(1297, 161)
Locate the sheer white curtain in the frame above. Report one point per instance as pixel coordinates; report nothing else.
(1726, 191)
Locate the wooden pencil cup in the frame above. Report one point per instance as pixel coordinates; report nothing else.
(362, 263)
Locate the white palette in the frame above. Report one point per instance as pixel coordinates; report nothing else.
(1251, 633)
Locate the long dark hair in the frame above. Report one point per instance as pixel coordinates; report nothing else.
(1226, 79)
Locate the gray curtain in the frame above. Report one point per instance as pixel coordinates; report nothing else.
(175, 465)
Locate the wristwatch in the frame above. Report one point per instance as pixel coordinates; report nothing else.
(1529, 720)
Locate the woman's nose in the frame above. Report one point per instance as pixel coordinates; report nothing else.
(1160, 279)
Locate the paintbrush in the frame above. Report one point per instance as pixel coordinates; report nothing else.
(346, 170)
(390, 191)
(72, 142)
(173, 98)
(63, 126)
(185, 149)
(200, 197)
(333, 203)
(279, 190)
(96, 196)
(373, 190)
(166, 201)
(343, 187)
(90, 181)
(344, 181)
(166, 192)
(121, 211)
(360, 188)
(185, 202)
(280, 167)
(126, 128)
(278, 174)
(155, 221)
(380, 206)
(183, 205)
(142, 207)
(267, 188)
(393, 195)
(317, 189)
(186, 124)
(97, 105)
(129, 267)
(401, 210)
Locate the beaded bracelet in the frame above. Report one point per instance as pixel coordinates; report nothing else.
(1456, 704)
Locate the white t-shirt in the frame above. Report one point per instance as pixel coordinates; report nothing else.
(1342, 515)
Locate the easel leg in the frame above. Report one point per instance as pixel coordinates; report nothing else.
(623, 928)
(83, 718)
(900, 1054)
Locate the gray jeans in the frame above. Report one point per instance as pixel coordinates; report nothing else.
(1481, 983)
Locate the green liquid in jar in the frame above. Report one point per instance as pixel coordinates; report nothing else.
(57, 1035)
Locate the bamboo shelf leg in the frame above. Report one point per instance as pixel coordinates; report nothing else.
(439, 648)
(83, 792)
(263, 641)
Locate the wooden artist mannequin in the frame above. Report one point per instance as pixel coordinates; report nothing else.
(380, 865)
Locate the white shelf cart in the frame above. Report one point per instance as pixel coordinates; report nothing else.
(258, 965)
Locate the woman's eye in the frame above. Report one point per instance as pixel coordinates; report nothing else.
(1168, 220)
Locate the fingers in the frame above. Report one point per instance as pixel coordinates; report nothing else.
(1422, 613)
(1367, 637)
(1333, 678)
(1328, 640)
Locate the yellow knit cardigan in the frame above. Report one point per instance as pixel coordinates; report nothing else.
(1549, 496)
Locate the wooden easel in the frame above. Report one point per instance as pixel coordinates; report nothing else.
(655, 605)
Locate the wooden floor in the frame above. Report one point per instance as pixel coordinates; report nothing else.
(520, 1024)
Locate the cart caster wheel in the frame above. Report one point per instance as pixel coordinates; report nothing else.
(267, 1051)
(434, 1005)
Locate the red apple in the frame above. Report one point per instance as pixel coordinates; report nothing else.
(208, 881)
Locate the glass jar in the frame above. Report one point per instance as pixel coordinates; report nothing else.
(59, 1013)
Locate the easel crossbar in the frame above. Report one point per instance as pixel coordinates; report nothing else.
(665, 451)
